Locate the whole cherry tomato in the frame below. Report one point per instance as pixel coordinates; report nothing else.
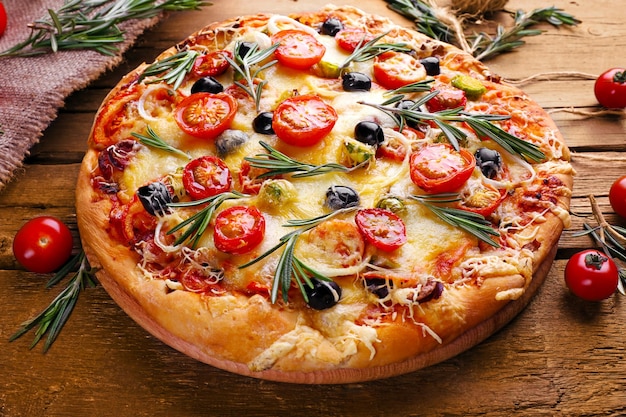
(3, 19)
(439, 168)
(617, 196)
(206, 115)
(381, 228)
(43, 244)
(238, 229)
(298, 49)
(591, 275)
(303, 120)
(610, 88)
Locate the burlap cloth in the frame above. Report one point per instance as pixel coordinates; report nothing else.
(33, 89)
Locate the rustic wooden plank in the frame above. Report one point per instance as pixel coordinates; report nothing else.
(509, 371)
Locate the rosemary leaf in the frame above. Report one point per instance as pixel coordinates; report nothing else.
(277, 163)
(94, 25)
(199, 222)
(246, 67)
(289, 266)
(52, 319)
(370, 50)
(155, 141)
(424, 17)
(472, 223)
(172, 69)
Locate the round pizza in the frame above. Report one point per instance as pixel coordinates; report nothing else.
(321, 197)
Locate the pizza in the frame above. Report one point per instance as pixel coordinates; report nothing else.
(321, 197)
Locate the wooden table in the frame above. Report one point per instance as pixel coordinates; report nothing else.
(559, 356)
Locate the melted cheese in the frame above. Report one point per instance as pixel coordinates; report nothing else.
(331, 336)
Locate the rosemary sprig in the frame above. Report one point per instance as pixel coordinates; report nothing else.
(417, 87)
(277, 163)
(155, 141)
(172, 69)
(424, 17)
(53, 318)
(91, 24)
(246, 67)
(371, 49)
(485, 46)
(472, 223)
(200, 220)
(480, 123)
(289, 266)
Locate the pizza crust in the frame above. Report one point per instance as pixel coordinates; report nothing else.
(251, 336)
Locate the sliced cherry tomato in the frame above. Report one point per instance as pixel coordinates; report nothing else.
(610, 88)
(448, 98)
(439, 168)
(396, 69)
(196, 281)
(211, 64)
(249, 180)
(3, 19)
(131, 222)
(617, 196)
(348, 39)
(206, 176)
(43, 244)
(591, 275)
(303, 120)
(483, 201)
(381, 228)
(298, 49)
(206, 115)
(238, 229)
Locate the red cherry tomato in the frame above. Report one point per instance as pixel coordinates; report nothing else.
(439, 168)
(298, 49)
(617, 196)
(206, 176)
(610, 88)
(591, 275)
(303, 120)
(483, 201)
(381, 228)
(448, 98)
(238, 229)
(3, 19)
(396, 69)
(392, 148)
(43, 244)
(348, 39)
(206, 115)
(212, 64)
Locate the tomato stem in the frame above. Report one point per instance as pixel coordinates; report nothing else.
(620, 77)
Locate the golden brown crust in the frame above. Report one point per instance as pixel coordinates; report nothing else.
(249, 335)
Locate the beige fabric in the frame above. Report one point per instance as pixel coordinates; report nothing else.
(33, 89)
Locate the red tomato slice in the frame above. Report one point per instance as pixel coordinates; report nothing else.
(206, 115)
(212, 64)
(205, 177)
(3, 19)
(483, 201)
(303, 120)
(298, 49)
(448, 98)
(394, 149)
(396, 69)
(381, 228)
(349, 38)
(439, 168)
(238, 229)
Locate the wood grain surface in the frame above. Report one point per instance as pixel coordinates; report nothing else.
(559, 356)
